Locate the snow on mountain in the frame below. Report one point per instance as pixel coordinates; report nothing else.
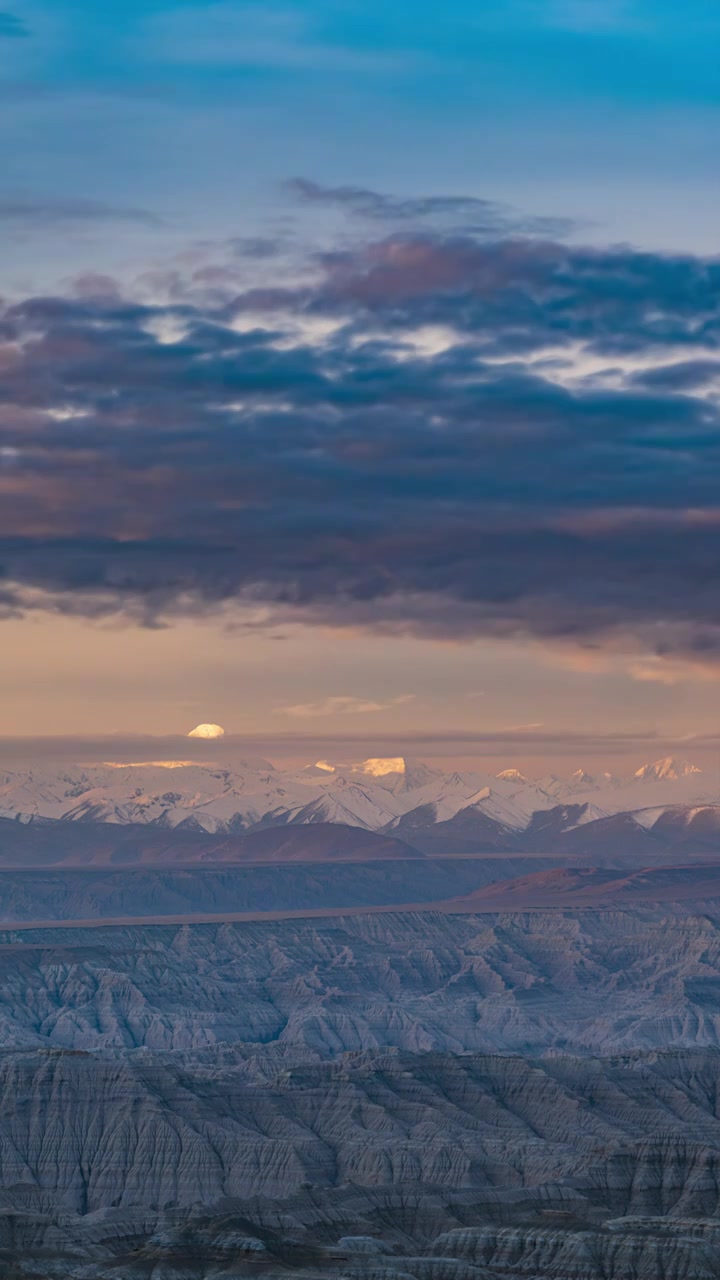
(352, 805)
(667, 770)
(110, 793)
(507, 801)
(654, 786)
(418, 774)
(519, 800)
(579, 783)
(409, 797)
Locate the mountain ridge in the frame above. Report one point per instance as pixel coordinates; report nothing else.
(668, 801)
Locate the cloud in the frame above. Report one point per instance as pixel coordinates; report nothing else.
(342, 705)
(44, 212)
(303, 453)
(473, 214)
(349, 746)
(669, 670)
(12, 28)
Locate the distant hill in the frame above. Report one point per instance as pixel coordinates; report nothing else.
(69, 844)
(583, 887)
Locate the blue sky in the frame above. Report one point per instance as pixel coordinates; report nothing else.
(605, 110)
(435, 430)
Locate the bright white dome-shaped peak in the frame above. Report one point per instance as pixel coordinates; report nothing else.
(378, 767)
(207, 731)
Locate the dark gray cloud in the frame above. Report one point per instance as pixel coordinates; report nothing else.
(517, 295)
(306, 448)
(470, 213)
(12, 28)
(680, 375)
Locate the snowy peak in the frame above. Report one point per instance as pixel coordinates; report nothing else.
(380, 766)
(580, 776)
(355, 806)
(581, 780)
(667, 770)
(418, 774)
(405, 796)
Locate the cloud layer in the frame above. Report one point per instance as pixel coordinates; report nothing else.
(343, 705)
(431, 431)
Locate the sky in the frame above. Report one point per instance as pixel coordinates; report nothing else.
(359, 372)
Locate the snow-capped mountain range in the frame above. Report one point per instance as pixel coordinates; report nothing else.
(405, 798)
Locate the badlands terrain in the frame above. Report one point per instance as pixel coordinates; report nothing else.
(537, 982)
(371, 1097)
(482, 1043)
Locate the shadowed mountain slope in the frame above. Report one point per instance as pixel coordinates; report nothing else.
(147, 893)
(73, 844)
(586, 887)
